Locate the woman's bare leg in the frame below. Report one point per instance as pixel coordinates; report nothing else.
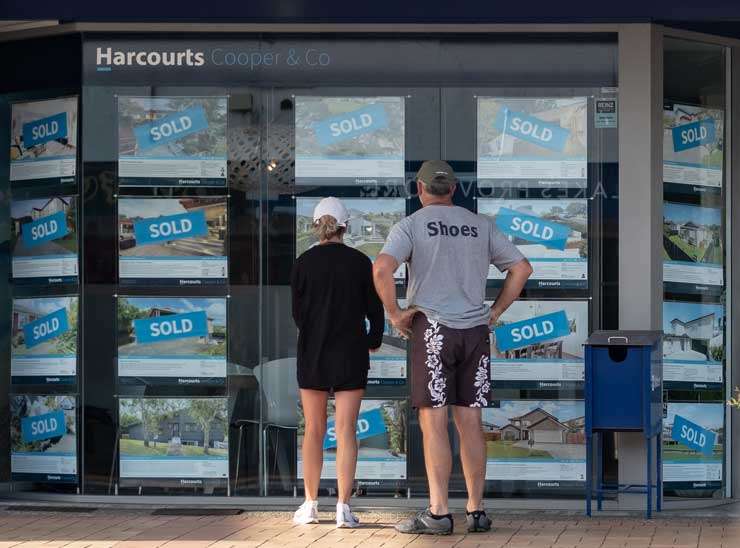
(347, 409)
(312, 452)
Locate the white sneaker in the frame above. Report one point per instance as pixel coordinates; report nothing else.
(308, 512)
(345, 517)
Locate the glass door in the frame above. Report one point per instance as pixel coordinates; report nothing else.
(696, 311)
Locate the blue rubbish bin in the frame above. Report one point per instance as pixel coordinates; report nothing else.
(624, 393)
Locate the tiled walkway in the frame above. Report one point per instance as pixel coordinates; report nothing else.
(111, 527)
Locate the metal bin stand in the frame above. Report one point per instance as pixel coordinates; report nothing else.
(624, 393)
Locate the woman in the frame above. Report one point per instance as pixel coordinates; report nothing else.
(333, 298)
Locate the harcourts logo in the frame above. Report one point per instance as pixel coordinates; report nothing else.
(107, 58)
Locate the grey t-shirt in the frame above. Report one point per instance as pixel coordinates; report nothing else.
(449, 250)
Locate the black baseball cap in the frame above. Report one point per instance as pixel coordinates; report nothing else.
(436, 171)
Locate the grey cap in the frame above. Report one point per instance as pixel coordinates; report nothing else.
(436, 171)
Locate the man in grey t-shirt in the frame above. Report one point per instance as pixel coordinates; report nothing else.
(448, 250)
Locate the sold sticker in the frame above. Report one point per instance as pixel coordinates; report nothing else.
(44, 130)
(532, 228)
(533, 130)
(171, 128)
(532, 330)
(44, 229)
(369, 424)
(687, 136)
(351, 124)
(45, 328)
(693, 435)
(171, 327)
(157, 230)
(43, 427)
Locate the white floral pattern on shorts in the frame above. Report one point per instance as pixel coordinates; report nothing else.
(482, 382)
(437, 384)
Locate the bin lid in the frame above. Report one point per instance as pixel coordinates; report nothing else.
(624, 338)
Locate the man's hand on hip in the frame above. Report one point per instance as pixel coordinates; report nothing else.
(493, 318)
(401, 320)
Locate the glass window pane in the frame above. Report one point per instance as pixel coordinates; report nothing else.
(694, 257)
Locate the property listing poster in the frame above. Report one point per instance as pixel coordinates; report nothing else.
(537, 142)
(539, 443)
(181, 439)
(43, 340)
(172, 241)
(43, 240)
(693, 442)
(382, 440)
(552, 234)
(388, 364)
(171, 341)
(693, 253)
(693, 345)
(693, 149)
(43, 141)
(172, 141)
(539, 345)
(349, 141)
(43, 438)
(369, 223)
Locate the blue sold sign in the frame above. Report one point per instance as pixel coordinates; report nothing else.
(532, 330)
(528, 128)
(351, 124)
(170, 327)
(44, 130)
(532, 228)
(43, 427)
(369, 424)
(156, 230)
(701, 132)
(693, 436)
(44, 229)
(171, 128)
(45, 328)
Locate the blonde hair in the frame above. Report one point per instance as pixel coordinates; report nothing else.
(327, 228)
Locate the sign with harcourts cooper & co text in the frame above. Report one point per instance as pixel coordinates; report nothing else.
(552, 235)
(693, 149)
(693, 447)
(538, 345)
(44, 340)
(44, 240)
(349, 140)
(381, 431)
(172, 141)
(43, 438)
(172, 341)
(172, 241)
(537, 142)
(43, 142)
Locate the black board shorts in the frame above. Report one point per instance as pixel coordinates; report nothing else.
(449, 366)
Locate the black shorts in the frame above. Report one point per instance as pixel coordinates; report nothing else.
(357, 382)
(449, 366)
(361, 385)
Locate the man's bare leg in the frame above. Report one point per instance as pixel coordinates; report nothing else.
(472, 453)
(437, 456)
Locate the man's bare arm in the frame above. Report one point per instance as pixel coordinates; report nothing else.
(383, 268)
(385, 285)
(516, 277)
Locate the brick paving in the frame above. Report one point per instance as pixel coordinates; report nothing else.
(123, 528)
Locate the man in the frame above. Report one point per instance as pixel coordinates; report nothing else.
(448, 250)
